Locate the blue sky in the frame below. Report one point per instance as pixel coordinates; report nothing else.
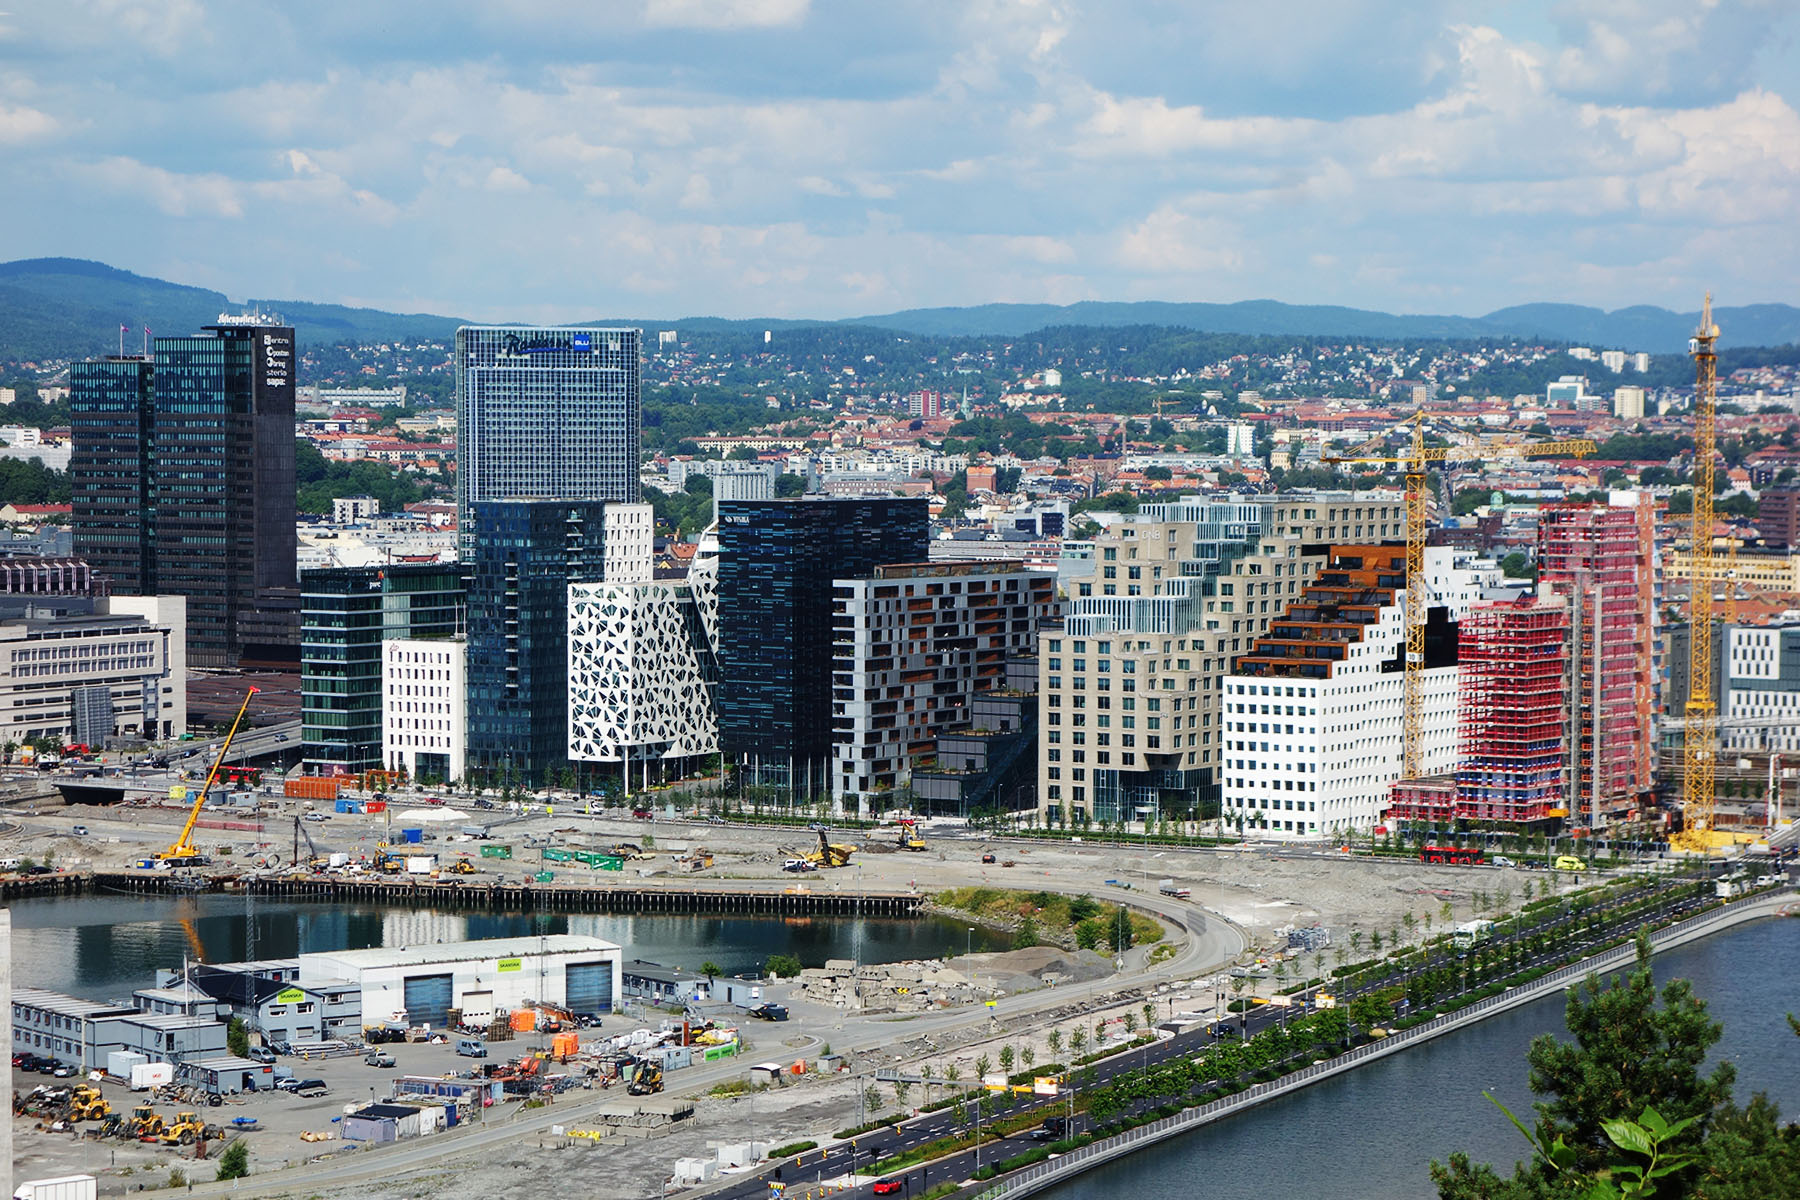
(512, 159)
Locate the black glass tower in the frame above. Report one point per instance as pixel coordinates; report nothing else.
(214, 480)
(777, 561)
(109, 469)
(524, 555)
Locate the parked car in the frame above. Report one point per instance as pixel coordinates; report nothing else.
(79, 831)
(471, 1048)
(796, 865)
(261, 1054)
(988, 858)
(311, 1087)
(886, 1187)
(769, 1012)
(588, 1020)
(1500, 860)
(379, 1058)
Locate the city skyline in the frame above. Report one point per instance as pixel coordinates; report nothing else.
(779, 158)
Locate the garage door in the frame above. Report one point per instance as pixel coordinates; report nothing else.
(428, 999)
(589, 987)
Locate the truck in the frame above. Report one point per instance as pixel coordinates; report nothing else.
(1472, 933)
(1167, 887)
(63, 1187)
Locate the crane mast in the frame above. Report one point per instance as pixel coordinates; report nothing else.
(1698, 757)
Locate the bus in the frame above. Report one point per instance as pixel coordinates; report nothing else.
(1451, 854)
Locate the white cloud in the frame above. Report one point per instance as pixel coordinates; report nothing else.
(724, 14)
(505, 179)
(23, 124)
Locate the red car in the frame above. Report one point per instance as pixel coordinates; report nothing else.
(886, 1187)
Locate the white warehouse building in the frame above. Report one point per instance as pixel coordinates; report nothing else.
(1313, 715)
(421, 984)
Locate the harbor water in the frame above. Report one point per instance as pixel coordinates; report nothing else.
(103, 947)
(1373, 1133)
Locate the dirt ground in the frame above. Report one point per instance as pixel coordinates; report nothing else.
(1262, 890)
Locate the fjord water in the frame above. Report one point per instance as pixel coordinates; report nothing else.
(1373, 1133)
(105, 947)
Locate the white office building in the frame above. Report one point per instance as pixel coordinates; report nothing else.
(1313, 716)
(424, 711)
(119, 670)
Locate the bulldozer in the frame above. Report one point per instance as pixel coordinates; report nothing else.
(461, 866)
(86, 1104)
(830, 853)
(188, 1129)
(146, 1122)
(646, 1080)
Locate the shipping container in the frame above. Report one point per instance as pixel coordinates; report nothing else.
(412, 837)
(421, 864)
(145, 1076)
(120, 1062)
(64, 1187)
(311, 787)
(496, 852)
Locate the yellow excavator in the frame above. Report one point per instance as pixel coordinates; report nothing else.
(830, 853)
(86, 1104)
(646, 1080)
(183, 853)
(909, 835)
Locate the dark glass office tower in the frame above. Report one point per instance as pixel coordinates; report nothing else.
(346, 613)
(524, 555)
(545, 412)
(777, 561)
(216, 477)
(109, 469)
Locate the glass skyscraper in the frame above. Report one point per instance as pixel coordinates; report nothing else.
(777, 561)
(524, 555)
(346, 613)
(545, 412)
(212, 473)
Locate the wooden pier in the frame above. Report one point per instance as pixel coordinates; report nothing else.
(553, 897)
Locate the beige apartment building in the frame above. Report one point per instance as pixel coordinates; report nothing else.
(1129, 680)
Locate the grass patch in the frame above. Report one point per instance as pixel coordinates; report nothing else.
(1057, 916)
(792, 1148)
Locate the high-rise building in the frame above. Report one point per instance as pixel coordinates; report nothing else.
(1628, 403)
(545, 413)
(915, 644)
(209, 463)
(346, 614)
(1314, 713)
(1778, 517)
(524, 555)
(424, 707)
(109, 469)
(1171, 595)
(1514, 658)
(1600, 557)
(778, 560)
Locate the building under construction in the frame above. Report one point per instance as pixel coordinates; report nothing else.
(1599, 557)
(1512, 712)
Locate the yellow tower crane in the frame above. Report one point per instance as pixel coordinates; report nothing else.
(182, 853)
(1698, 758)
(1416, 462)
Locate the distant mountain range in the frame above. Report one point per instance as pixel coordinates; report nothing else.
(55, 308)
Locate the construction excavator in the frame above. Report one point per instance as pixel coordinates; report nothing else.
(183, 853)
(187, 1129)
(909, 835)
(86, 1104)
(829, 853)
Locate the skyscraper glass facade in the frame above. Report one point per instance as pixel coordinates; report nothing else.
(777, 561)
(346, 614)
(215, 473)
(523, 556)
(109, 469)
(545, 412)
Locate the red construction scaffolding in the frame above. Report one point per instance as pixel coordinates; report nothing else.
(1515, 661)
(1599, 557)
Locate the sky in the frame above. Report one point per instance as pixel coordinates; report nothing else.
(561, 161)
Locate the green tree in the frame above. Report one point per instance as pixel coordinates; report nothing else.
(235, 1162)
(1636, 1060)
(711, 970)
(237, 1037)
(783, 966)
(788, 485)
(1518, 565)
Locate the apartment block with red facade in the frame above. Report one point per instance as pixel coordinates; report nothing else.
(1600, 557)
